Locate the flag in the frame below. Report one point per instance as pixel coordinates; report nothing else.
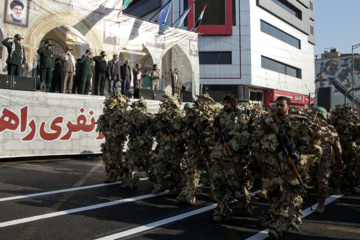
(164, 12)
(198, 22)
(124, 6)
(183, 16)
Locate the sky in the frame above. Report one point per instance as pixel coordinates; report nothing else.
(337, 25)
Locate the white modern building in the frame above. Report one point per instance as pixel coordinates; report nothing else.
(258, 49)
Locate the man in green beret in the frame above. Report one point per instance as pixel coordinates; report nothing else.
(16, 59)
(87, 72)
(47, 63)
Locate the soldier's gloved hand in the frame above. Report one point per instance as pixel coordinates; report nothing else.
(273, 126)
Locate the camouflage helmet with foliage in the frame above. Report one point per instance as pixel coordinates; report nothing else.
(116, 102)
(140, 105)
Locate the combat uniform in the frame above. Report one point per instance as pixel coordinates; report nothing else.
(86, 74)
(229, 173)
(197, 134)
(138, 127)
(110, 124)
(16, 56)
(283, 189)
(167, 164)
(47, 64)
(347, 124)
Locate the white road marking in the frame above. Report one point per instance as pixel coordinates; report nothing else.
(161, 222)
(264, 233)
(75, 210)
(62, 191)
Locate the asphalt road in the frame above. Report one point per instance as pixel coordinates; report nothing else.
(66, 199)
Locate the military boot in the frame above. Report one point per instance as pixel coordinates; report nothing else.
(321, 207)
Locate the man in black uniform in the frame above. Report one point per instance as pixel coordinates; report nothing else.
(100, 73)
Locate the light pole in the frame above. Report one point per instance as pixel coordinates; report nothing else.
(352, 70)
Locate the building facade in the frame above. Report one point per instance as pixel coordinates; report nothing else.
(335, 80)
(98, 25)
(251, 48)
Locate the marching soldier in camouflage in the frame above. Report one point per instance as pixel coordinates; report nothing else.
(321, 170)
(197, 134)
(347, 124)
(47, 63)
(111, 125)
(230, 160)
(284, 184)
(138, 126)
(16, 55)
(167, 164)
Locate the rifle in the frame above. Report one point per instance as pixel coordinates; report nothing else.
(138, 134)
(225, 137)
(291, 155)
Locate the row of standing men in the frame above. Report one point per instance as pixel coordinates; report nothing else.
(74, 76)
(228, 148)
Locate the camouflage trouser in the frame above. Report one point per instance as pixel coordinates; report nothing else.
(321, 173)
(285, 206)
(166, 173)
(191, 178)
(112, 158)
(227, 185)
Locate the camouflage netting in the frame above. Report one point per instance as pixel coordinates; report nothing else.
(197, 134)
(111, 125)
(138, 126)
(347, 123)
(166, 163)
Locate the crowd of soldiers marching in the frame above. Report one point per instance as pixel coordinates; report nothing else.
(230, 146)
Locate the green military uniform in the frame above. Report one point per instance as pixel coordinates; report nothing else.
(16, 56)
(87, 73)
(47, 64)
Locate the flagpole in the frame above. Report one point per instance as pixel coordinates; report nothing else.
(155, 14)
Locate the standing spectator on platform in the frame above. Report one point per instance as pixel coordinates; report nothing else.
(78, 76)
(68, 71)
(16, 55)
(176, 83)
(100, 73)
(87, 72)
(154, 76)
(114, 75)
(56, 79)
(47, 63)
(126, 76)
(137, 76)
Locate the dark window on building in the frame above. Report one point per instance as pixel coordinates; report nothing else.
(312, 30)
(280, 67)
(289, 7)
(214, 13)
(256, 96)
(234, 13)
(215, 57)
(311, 6)
(281, 35)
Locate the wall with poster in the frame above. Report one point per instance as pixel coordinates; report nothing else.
(100, 26)
(36, 123)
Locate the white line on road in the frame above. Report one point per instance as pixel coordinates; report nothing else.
(161, 222)
(264, 233)
(62, 191)
(75, 210)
